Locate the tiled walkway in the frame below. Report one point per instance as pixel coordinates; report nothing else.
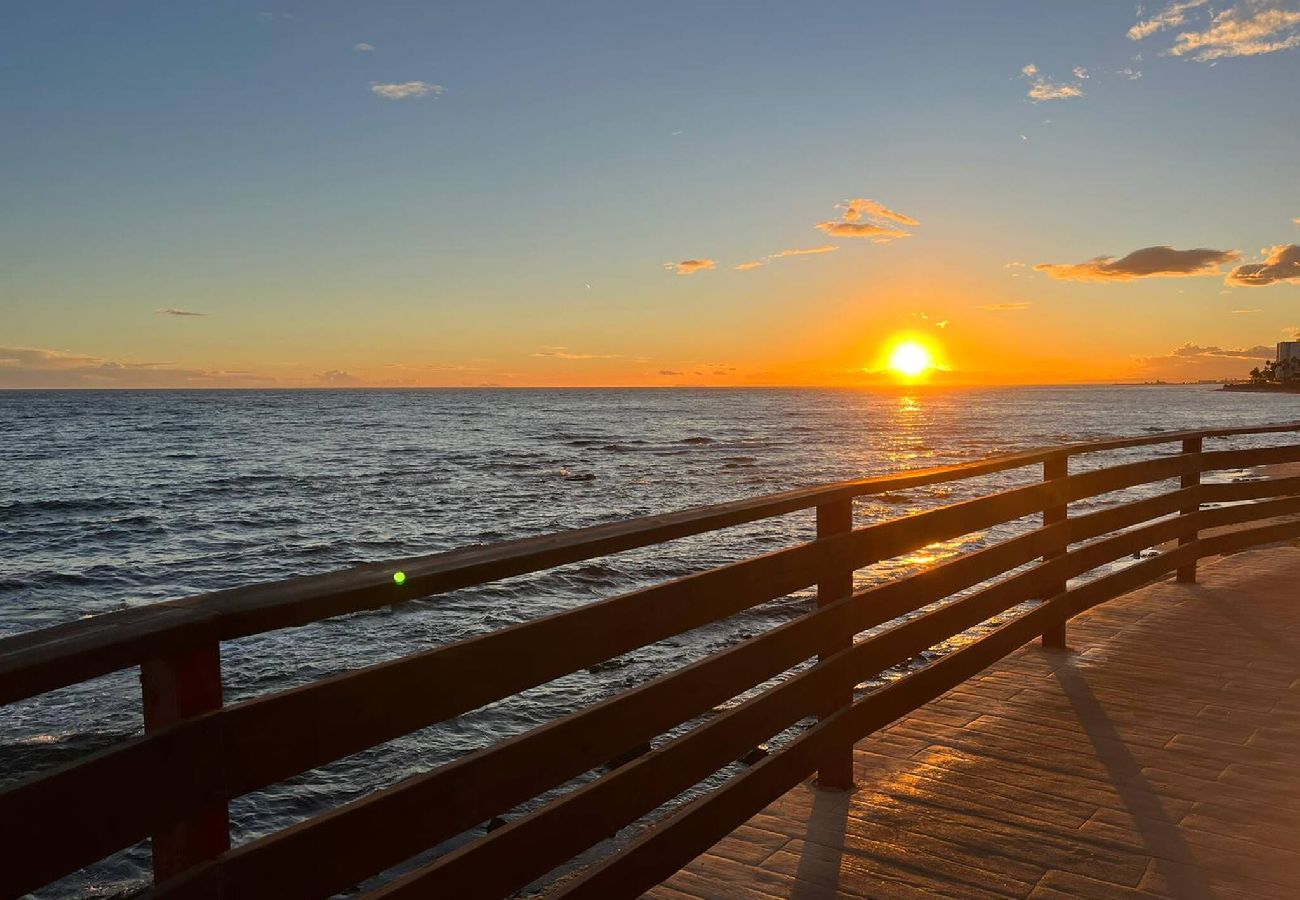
(1160, 756)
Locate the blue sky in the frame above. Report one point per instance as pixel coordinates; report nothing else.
(248, 162)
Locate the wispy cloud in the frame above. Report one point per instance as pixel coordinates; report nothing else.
(1043, 88)
(1145, 263)
(1246, 28)
(406, 90)
(1129, 73)
(565, 353)
(863, 218)
(783, 254)
(1251, 28)
(172, 311)
(1171, 16)
(808, 251)
(691, 266)
(363, 47)
(1245, 311)
(1005, 307)
(1281, 266)
(856, 210)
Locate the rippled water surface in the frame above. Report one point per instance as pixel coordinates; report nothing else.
(110, 500)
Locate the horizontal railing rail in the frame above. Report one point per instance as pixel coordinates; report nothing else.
(173, 783)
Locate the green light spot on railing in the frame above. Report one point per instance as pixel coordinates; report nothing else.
(399, 578)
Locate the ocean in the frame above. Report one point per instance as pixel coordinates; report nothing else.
(112, 499)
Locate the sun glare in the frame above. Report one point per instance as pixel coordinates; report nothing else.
(910, 359)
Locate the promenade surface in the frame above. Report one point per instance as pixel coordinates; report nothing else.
(1158, 756)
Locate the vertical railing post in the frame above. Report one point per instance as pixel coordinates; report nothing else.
(836, 582)
(175, 688)
(1192, 479)
(1055, 468)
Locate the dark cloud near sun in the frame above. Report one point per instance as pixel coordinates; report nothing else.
(173, 311)
(1149, 262)
(1195, 361)
(1282, 265)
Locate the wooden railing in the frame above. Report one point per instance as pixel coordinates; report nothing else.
(173, 783)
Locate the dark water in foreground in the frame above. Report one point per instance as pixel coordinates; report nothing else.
(114, 499)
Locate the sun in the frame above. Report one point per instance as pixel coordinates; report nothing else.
(910, 359)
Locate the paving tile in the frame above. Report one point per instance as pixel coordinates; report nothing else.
(1156, 758)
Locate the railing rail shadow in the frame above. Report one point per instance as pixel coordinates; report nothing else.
(173, 783)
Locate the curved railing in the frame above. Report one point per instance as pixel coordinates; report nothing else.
(174, 782)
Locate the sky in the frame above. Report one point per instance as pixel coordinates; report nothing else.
(551, 194)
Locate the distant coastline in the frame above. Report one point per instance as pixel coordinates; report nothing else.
(1266, 388)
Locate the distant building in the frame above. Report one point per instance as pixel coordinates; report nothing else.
(1288, 350)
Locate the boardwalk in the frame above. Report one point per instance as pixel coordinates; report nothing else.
(1159, 756)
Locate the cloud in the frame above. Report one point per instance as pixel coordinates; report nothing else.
(338, 378)
(864, 218)
(691, 266)
(1194, 361)
(406, 90)
(670, 372)
(564, 353)
(1250, 28)
(855, 210)
(1130, 74)
(363, 47)
(879, 233)
(1282, 265)
(36, 367)
(809, 251)
(1244, 311)
(806, 251)
(1192, 350)
(1005, 307)
(1043, 88)
(1145, 263)
(1169, 17)
(172, 311)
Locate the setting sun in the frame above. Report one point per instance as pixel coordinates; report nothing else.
(910, 359)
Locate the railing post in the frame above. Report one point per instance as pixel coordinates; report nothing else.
(1053, 469)
(836, 770)
(175, 688)
(1187, 573)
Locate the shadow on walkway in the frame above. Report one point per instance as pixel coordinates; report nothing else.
(818, 875)
(1159, 833)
